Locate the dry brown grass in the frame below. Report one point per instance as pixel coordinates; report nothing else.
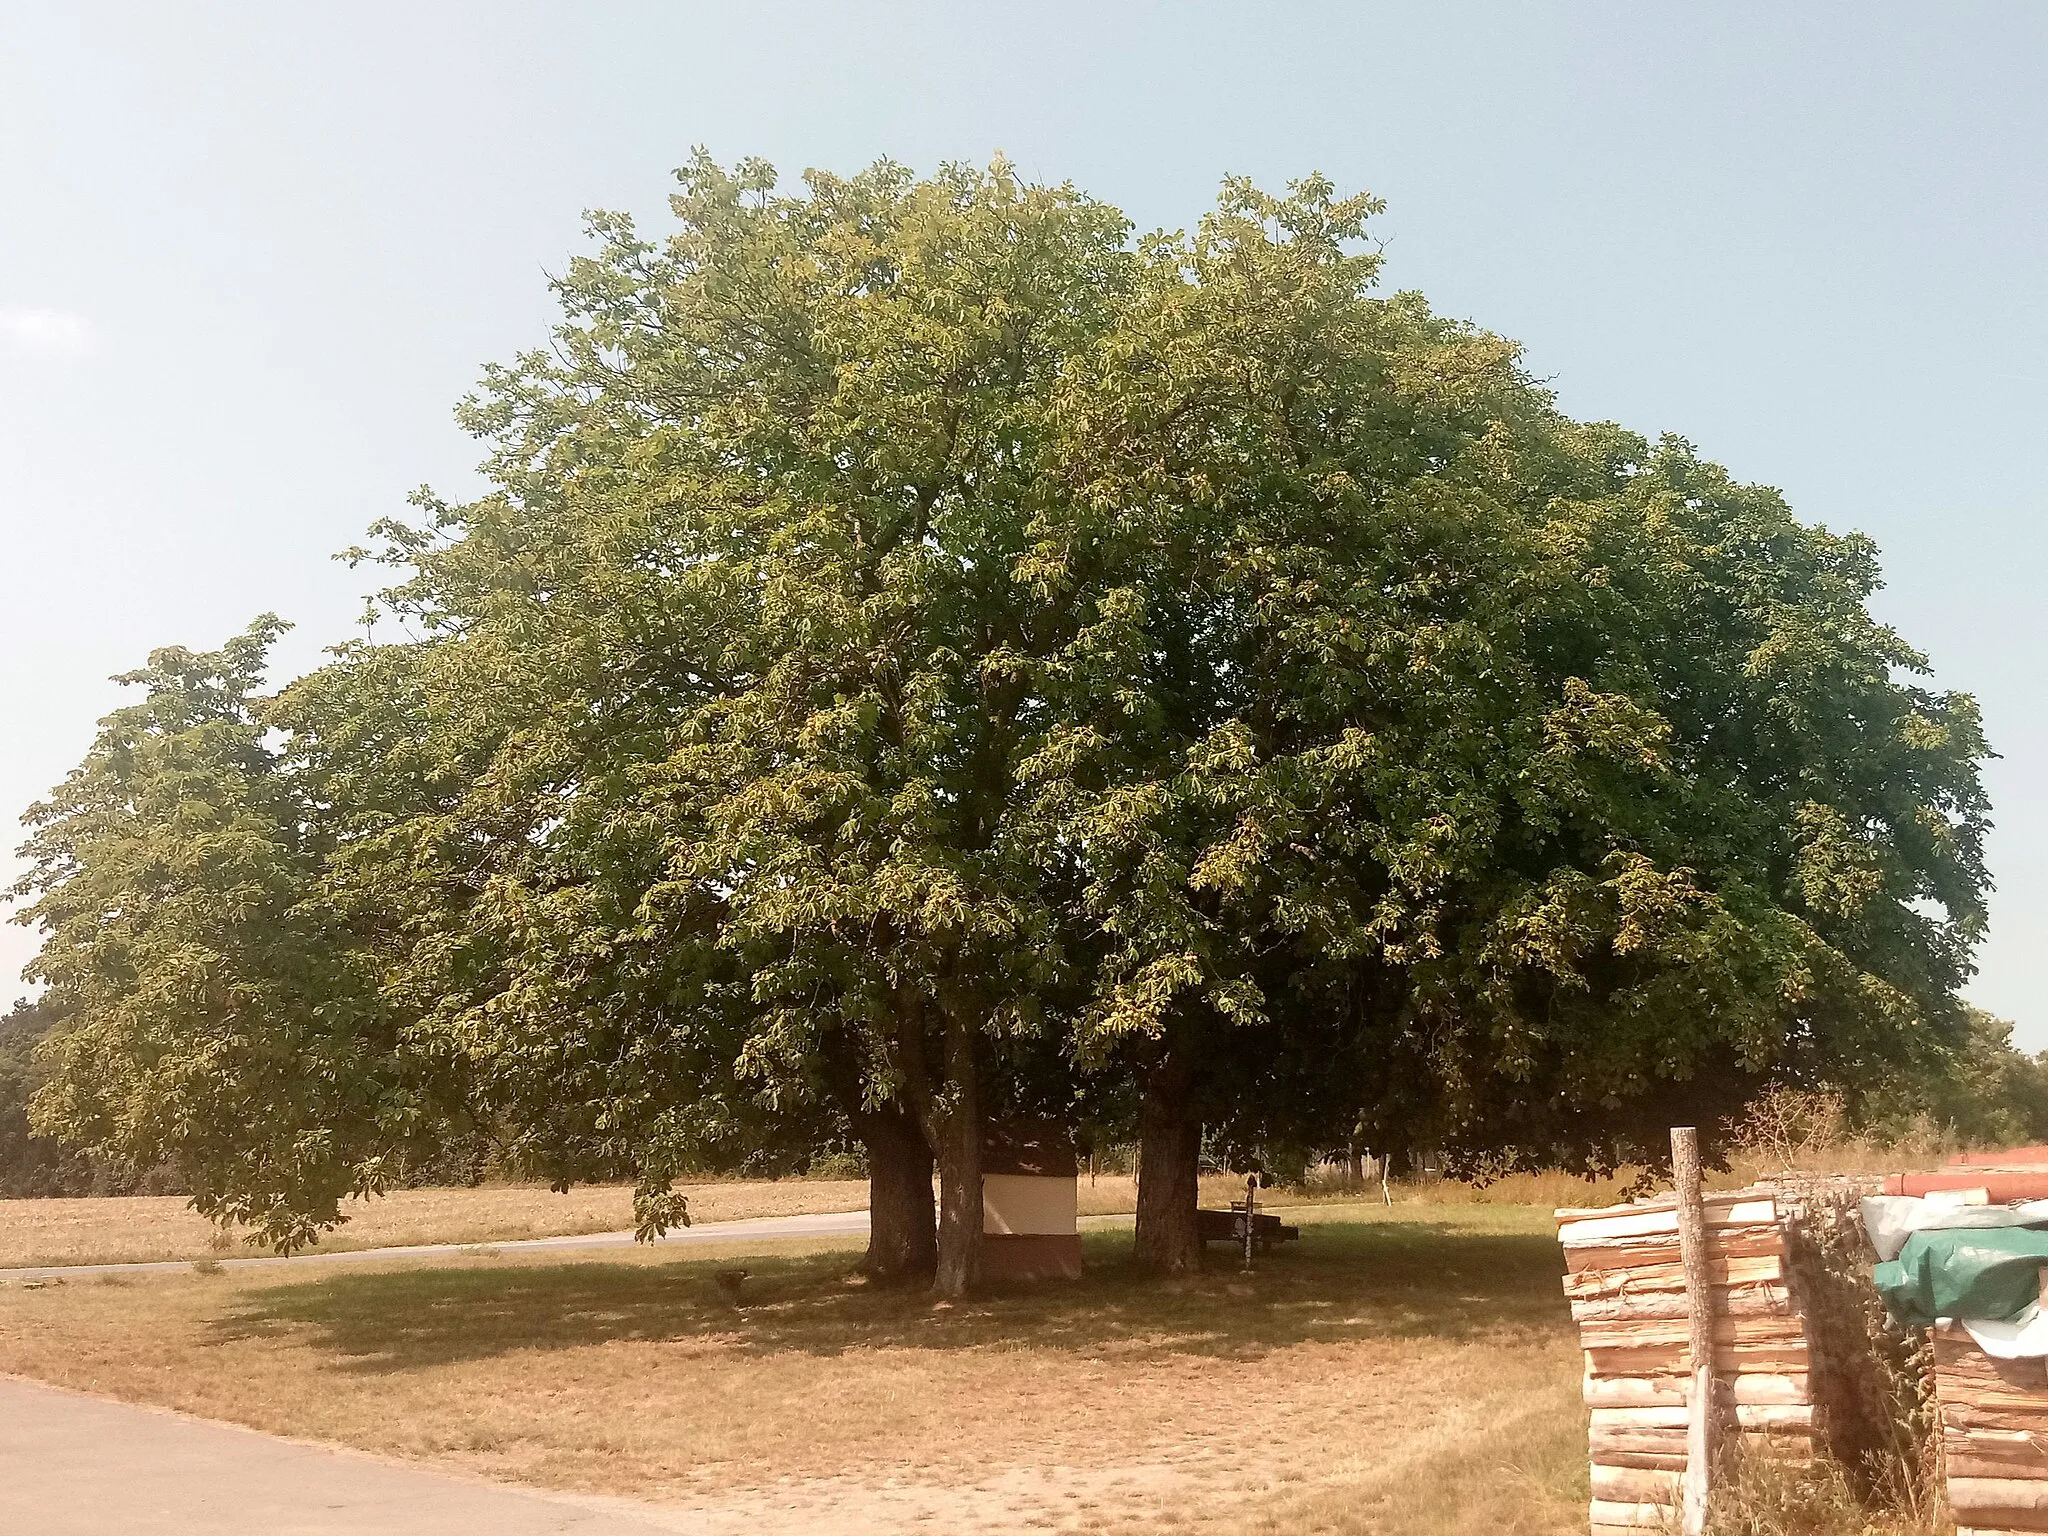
(1761, 1495)
(1116, 1194)
(118, 1230)
(123, 1229)
(154, 1227)
(1404, 1370)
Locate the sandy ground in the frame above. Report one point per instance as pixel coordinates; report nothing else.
(1392, 1352)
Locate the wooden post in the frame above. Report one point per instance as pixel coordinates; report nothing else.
(1251, 1212)
(1699, 1313)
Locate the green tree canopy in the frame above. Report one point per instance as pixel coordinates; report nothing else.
(926, 654)
(213, 1019)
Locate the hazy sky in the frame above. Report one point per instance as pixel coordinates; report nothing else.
(251, 256)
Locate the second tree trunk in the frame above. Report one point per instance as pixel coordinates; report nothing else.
(959, 1149)
(1169, 1170)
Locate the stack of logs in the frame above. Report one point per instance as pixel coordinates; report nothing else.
(1626, 1284)
(1994, 1435)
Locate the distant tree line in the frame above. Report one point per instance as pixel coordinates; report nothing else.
(31, 1164)
(1990, 1094)
(926, 658)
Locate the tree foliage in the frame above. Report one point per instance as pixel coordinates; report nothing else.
(1988, 1094)
(32, 1165)
(214, 1017)
(925, 653)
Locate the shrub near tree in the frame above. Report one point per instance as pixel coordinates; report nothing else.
(925, 654)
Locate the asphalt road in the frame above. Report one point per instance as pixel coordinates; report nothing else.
(74, 1465)
(834, 1224)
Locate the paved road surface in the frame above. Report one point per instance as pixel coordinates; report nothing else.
(72, 1465)
(835, 1224)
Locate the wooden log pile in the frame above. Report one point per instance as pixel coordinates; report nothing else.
(1626, 1284)
(1994, 1435)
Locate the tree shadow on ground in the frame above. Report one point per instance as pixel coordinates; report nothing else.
(1345, 1282)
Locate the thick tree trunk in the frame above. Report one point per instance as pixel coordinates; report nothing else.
(959, 1149)
(1169, 1169)
(902, 1230)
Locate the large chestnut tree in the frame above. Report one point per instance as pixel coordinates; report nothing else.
(926, 654)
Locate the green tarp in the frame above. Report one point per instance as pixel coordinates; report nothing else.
(1983, 1274)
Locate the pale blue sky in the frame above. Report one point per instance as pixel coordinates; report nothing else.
(250, 256)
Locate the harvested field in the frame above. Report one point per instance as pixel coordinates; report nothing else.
(122, 1229)
(1391, 1352)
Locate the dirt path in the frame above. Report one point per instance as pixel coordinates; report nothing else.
(73, 1465)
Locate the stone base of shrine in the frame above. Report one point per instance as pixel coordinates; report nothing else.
(1031, 1256)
